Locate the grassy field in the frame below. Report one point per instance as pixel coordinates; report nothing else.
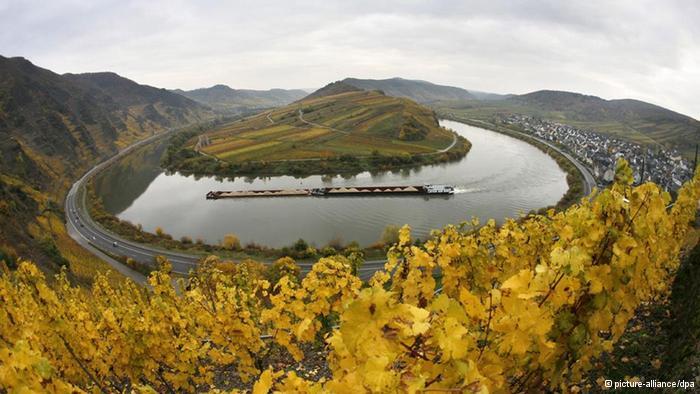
(354, 123)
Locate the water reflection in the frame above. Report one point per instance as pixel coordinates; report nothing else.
(120, 185)
(501, 177)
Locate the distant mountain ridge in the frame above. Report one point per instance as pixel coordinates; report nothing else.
(629, 119)
(332, 89)
(126, 92)
(337, 129)
(592, 107)
(54, 127)
(225, 99)
(80, 117)
(420, 91)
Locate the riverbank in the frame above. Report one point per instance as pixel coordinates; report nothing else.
(180, 158)
(501, 178)
(230, 248)
(504, 178)
(574, 177)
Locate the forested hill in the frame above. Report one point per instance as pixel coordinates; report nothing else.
(54, 127)
(227, 100)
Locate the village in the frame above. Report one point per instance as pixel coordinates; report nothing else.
(599, 152)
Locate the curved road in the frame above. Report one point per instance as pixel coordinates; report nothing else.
(588, 181)
(104, 244)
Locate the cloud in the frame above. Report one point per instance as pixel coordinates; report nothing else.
(644, 49)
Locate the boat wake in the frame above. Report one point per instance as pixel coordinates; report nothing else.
(465, 190)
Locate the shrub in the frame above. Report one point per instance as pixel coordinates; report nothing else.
(231, 242)
(48, 245)
(300, 245)
(328, 251)
(283, 267)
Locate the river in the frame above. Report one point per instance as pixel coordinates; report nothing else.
(500, 177)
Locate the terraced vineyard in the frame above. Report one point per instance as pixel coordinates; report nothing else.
(359, 123)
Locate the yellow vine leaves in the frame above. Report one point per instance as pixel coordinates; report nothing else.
(516, 307)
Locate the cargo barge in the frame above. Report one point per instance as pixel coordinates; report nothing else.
(336, 191)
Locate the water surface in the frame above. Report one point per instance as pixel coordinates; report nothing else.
(500, 177)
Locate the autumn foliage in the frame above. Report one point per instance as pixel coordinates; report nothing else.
(515, 308)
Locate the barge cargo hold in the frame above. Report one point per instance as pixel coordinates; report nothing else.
(336, 191)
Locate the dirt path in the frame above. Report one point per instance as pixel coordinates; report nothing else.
(301, 117)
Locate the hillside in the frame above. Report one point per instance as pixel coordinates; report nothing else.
(127, 93)
(332, 89)
(419, 91)
(227, 100)
(633, 120)
(54, 128)
(592, 108)
(325, 127)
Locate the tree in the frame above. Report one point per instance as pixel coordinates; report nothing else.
(328, 251)
(300, 245)
(231, 242)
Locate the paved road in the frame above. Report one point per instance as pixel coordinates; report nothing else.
(588, 181)
(98, 240)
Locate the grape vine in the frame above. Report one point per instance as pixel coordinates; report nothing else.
(524, 305)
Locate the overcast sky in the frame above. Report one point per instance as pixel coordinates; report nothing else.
(649, 50)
